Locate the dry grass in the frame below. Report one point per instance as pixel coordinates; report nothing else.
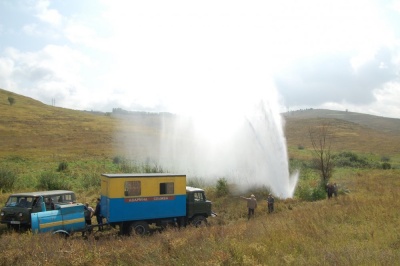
(348, 136)
(359, 228)
(35, 130)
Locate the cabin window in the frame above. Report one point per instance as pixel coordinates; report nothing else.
(166, 188)
(133, 188)
(65, 198)
(68, 198)
(199, 196)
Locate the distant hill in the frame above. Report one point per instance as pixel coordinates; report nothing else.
(29, 128)
(353, 131)
(374, 122)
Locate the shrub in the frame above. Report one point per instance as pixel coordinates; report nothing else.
(52, 181)
(386, 166)
(11, 100)
(222, 187)
(90, 181)
(318, 193)
(62, 166)
(308, 193)
(7, 180)
(350, 159)
(196, 182)
(126, 166)
(118, 159)
(147, 168)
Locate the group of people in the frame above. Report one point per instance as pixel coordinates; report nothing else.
(331, 190)
(252, 204)
(90, 212)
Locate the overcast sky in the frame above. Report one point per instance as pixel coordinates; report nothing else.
(172, 55)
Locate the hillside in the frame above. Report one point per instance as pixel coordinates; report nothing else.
(385, 124)
(352, 131)
(355, 228)
(30, 128)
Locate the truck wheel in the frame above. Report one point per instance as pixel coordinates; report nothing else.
(61, 234)
(199, 221)
(139, 228)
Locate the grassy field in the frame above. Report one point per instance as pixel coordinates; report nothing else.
(359, 227)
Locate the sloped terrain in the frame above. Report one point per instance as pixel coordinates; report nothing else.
(30, 128)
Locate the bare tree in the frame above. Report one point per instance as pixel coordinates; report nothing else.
(321, 139)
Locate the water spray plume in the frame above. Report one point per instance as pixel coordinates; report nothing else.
(241, 140)
(237, 136)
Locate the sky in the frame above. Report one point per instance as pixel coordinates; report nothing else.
(177, 56)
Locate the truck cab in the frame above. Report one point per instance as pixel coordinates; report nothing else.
(198, 208)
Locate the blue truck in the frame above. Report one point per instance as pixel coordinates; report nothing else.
(131, 202)
(17, 211)
(64, 220)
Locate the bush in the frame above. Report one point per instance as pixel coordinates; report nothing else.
(308, 193)
(196, 182)
(126, 166)
(91, 181)
(222, 187)
(7, 180)
(318, 193)
(52, 181)
(147, 168)
(386, 166)
(350, 159)
(62, 166)
(118, 160)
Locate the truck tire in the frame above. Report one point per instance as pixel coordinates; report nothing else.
(61, 234)
(139, 228)
(199, 221)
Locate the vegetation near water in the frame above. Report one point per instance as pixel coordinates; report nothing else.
(44, 147)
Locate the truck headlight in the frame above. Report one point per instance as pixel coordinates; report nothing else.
(2, 214)
(20, 214)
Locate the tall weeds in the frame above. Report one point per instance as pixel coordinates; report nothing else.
(353, 229)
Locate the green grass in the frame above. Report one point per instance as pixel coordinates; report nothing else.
(354, 229)
(360, 227)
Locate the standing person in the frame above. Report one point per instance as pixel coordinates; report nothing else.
(251, 205)
(335, 189)
(329, 190)
(270, 201)
(97, 213)
(88, 211)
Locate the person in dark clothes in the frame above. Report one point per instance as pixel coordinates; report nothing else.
(270, 201)
(97, 213)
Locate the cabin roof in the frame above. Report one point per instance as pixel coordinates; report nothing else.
(43, 193)
(148, 175)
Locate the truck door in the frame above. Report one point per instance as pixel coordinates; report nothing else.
(37, 205)
(197, 204)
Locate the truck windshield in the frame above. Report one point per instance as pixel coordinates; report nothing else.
(20, 201)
